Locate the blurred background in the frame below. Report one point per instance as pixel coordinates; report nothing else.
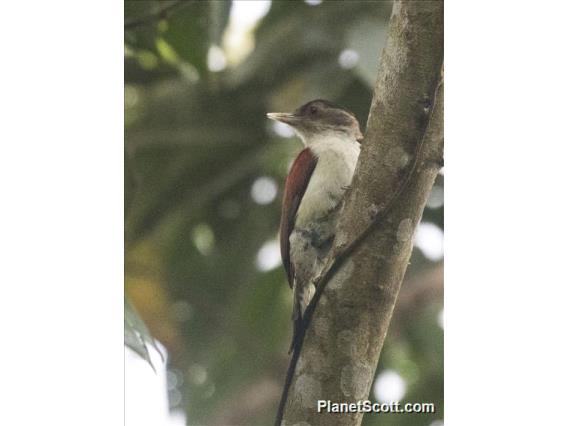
(204, 174)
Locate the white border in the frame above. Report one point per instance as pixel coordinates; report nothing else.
(506, 212)
(61, 220)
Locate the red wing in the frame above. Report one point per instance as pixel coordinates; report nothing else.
(296, 184)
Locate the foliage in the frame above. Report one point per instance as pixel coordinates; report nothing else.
(136, 334)
(196, 142)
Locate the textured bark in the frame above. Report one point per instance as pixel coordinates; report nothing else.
(400, 158)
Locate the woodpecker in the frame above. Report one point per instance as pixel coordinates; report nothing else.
(313, 193)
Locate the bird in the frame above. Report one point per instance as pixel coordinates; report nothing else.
(313, 194)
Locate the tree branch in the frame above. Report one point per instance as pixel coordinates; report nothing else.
(399, 161)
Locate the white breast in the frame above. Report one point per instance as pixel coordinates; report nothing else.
(337, 157)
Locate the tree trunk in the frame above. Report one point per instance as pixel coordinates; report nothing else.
(400, 158)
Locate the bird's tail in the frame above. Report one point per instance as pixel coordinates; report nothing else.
(296, 318)
(302, 297)
(295, 337)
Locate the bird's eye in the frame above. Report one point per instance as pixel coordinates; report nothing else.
(313, 110)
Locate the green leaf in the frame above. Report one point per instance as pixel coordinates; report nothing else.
(186, 32)
(136, 334)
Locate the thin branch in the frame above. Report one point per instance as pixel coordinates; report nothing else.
(162, 13)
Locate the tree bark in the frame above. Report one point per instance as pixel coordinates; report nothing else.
(400, 158)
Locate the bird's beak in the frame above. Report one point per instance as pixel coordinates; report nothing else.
(283, 117)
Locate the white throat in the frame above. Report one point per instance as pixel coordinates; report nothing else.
(337, 155)
(339, 142)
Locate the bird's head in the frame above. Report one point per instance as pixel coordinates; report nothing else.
(320, 117)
